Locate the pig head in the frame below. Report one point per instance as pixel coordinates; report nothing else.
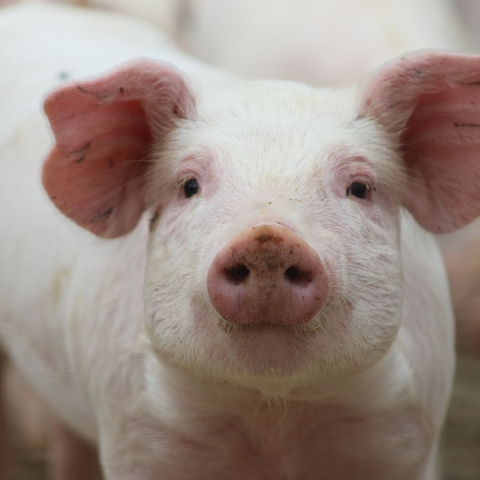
(275, 247)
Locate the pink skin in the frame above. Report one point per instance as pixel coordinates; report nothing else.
(267, 275)
(116, 137)
(440, 135)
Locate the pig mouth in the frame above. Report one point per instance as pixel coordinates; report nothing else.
(267, 325)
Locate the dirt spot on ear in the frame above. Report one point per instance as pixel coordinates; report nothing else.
(104, 214)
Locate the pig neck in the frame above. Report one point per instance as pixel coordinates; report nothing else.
(177, 398)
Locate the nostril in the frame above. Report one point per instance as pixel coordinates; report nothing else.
(267, 275)
(237, 274)
(298, 276)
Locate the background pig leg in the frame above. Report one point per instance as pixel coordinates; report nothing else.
(72, 457)
(6, 450)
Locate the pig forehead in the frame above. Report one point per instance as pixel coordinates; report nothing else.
(260, 97)
(266, 123)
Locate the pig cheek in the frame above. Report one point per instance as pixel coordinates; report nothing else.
(365, 311)
(375, 284)
(174, 282)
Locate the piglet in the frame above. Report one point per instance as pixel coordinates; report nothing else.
(224, 278)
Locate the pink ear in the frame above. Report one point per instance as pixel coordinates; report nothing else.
(430, 102)
(104, 131)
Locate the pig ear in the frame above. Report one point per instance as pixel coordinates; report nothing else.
(104, 130)
(430, 102)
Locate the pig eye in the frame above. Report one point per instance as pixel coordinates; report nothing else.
(191, 187)
(360, 190)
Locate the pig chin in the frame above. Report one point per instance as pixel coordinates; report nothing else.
(271, 351)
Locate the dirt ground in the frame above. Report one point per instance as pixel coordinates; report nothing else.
(461, 440)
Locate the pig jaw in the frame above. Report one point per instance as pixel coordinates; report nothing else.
(255, 170)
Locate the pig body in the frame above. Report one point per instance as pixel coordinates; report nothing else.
(121, 336)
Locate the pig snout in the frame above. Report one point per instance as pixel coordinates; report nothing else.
(267, 275)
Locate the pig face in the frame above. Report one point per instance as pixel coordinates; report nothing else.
(277, 155)
(274, 252)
